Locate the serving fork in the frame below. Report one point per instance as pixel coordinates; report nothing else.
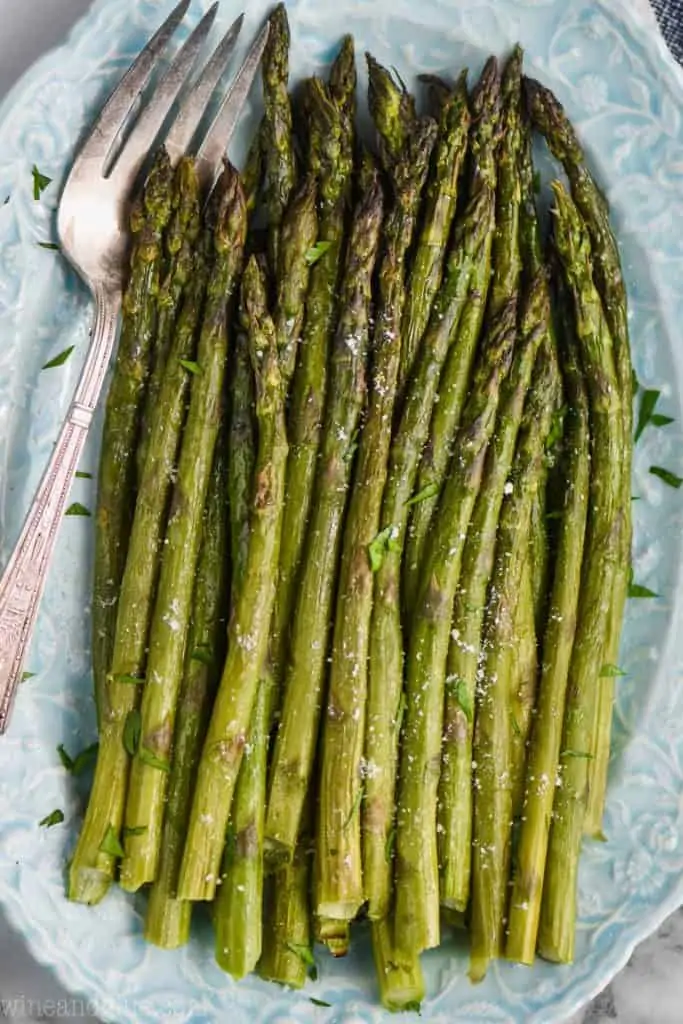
(92, 223)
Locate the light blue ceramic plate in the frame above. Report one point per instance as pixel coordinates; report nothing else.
(626, 96)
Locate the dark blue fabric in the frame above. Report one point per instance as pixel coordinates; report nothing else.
(670, 16)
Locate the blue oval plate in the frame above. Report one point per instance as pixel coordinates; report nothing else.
(622, 88)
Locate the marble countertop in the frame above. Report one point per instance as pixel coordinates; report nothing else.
(649, 989)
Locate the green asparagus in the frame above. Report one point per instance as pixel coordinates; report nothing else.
(455, 788)
(552, 121)
(278, 140)
(180, 242)
(287, 930)
(602, 554)
(385, 679)
(405, 143)
(251, 614)
(298, 234)
(168, 919)
(238, 906)
(440, 205)
(148, 783)
(493, 727)
(330, 160)
(455, 378)
(298, 729)
(546, 733)
(417, 880)
(116, 483)
(400, 981)
(92, 868)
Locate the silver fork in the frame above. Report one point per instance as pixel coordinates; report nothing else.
(92, 224)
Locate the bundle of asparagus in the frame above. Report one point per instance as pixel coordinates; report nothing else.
(341, 652)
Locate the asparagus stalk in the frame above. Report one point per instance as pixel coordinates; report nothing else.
(385, 680)
(238, 906)
(238, 928)
(167, 923)
(455, 788)
(343, 94)
(330, 160)
(278, 139)
(523, 675)
(400, 982)
(334, 934)
(417, 881)
(298, 234)
(602, 554)
(492, 754)
(405, 144)
(552, 121)
(441, 201)
(116, 483)
(455, 379)
(180, 242)
(250, 620)
(149, 776)
(287, 930)
(295, 743)
(546, 732)
(92, 869)
(252, 174)
(241, 456)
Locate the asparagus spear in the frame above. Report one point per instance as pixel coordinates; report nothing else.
(286, 933)
(546, 733)
(237, 926)
(334, 934)
(252, 174)
(440, 205)
(552, 121)
(400, 982)
(298, 234)
(297, 733)
(331, 147)
(455, 378)
(278, 140)
(405, 144)
(417, 882)
(523, 675)
(343, 94)
(116, 483)
(492, 784)
(251, 613)
(180, 242)
(92, 869)
(148, 784)
(238, 907)
(602, 554)
(455, 789)
(167, 923)
(241, 455)
(385, 680)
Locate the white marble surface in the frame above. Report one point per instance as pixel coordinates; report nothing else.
(650, 988)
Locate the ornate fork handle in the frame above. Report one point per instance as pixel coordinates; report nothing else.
(23, 581)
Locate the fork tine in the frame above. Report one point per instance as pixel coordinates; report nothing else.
(195, 103)
(105, 130)
(210, 155)
(137, 146)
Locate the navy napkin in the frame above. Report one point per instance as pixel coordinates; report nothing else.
(670, 16)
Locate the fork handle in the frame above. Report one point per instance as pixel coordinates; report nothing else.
(23, 580)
